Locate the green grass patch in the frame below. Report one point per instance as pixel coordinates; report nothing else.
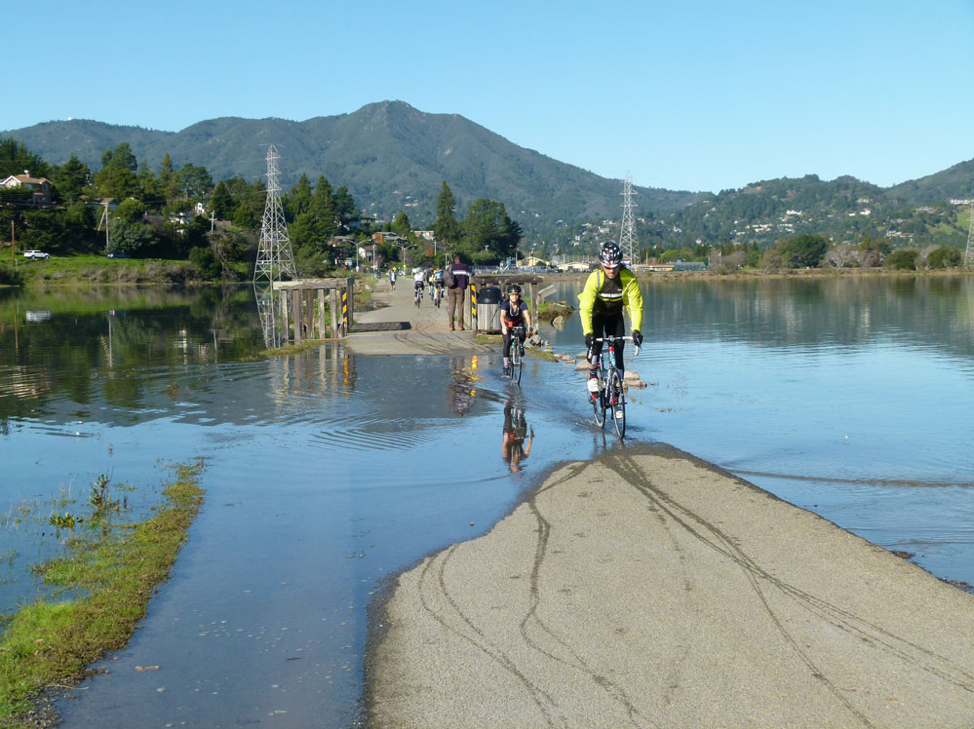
(488, 339)
(288, 349)
(101, 590)
(539, 353)
(550, 310)
(90, 269)
(498, 340)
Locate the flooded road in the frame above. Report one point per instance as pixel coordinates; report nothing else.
(327, 471)
(351, 469)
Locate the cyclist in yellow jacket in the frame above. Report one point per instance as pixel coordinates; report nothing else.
(601, 302)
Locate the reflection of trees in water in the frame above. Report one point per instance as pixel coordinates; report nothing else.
(843, 310)
(109, 341)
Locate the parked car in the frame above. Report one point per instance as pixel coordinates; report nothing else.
(36, 254)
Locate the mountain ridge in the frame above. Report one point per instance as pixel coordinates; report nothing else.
(391, 156)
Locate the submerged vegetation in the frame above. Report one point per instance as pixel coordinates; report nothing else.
(98, 590)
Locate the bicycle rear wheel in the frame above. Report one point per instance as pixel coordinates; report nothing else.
(617, 403)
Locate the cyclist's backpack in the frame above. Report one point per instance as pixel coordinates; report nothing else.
(449, 280)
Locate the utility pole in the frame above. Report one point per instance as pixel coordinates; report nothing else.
(627, 234)
(969, 253)
(104, 220)
(274, 256)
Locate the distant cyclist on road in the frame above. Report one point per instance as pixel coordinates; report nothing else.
(513, 313)
(438, 278)
(601, 302)
(419, 280)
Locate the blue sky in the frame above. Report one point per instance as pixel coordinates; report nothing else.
(689, 94)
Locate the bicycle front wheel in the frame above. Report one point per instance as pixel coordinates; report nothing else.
(617, 403)
(517, 362)
(599, 407)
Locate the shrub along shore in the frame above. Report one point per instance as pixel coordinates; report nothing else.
(98, 592)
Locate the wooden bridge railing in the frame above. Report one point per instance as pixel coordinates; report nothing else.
(300, 314)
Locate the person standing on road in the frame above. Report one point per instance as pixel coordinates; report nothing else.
(606, 291)
(392, 278)
(460, 273)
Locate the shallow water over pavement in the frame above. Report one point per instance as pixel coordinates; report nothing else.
(328, 472)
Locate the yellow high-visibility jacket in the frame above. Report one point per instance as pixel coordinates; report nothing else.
(593, 298)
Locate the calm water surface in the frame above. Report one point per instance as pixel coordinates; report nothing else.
(326, 473)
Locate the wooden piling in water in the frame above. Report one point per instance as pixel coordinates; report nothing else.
(298, 311)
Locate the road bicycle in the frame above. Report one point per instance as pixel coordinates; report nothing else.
(611, 397)
(515, 354)
(437, 296)
(418, 295)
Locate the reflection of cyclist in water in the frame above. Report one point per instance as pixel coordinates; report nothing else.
(513, 449)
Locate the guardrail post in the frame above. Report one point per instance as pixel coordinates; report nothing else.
(474, 321)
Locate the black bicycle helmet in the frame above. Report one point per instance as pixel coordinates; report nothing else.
(610, 255)
(514, 289)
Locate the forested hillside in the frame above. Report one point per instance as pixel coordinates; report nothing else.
(391, 157)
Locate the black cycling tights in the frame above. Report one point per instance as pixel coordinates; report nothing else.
(611, 325)
(507, 339)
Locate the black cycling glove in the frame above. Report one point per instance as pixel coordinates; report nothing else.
(637, 337)
(589, 339)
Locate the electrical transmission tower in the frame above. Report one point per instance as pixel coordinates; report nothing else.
(969, 253)
(274, 256)
(627, 234)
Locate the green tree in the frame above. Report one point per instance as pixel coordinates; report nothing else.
(446, 228)
(168, 184)
(299, 197)
(221, 203)
(489, 232)
(205, 261)
(15, 158)
(194, 181)
(345, 209)
(133, 239)
(902, 260)
(400, 226)
(131, 210)
(70, 179)
(117, 176)
(323, 211)
(803, 251)
(944, 258)
(123, 158)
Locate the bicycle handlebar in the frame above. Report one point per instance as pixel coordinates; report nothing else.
(611, 340)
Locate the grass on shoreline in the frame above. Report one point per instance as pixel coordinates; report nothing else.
(106, 579)
(498, 340)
